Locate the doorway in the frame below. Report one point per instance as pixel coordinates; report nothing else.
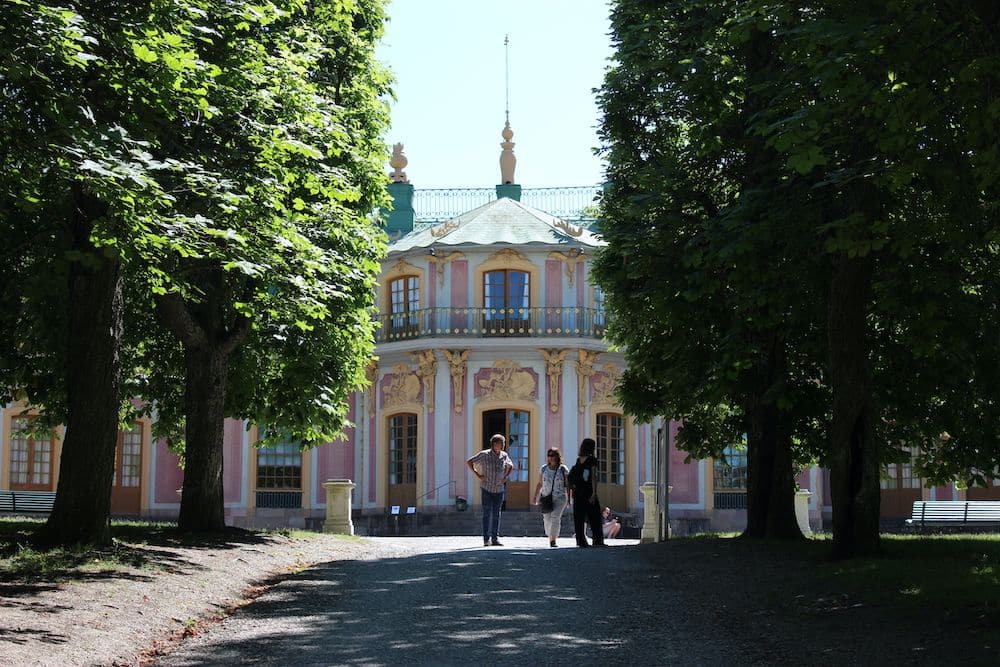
(402, 489)
(514, 426)
(612, 490)
(126, 488)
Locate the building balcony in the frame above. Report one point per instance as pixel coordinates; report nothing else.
(491, 323)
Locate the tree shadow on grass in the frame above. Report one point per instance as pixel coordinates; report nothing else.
(139, 550)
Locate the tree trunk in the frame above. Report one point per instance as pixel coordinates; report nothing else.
(854, 461)
(770, 479)
(81, 513)
(208, 344)
(202, 501)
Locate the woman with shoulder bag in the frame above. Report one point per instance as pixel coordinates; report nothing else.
(552, 494)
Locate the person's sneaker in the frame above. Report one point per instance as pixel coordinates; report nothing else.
(486, 543)
(552, 543)
(496, 543)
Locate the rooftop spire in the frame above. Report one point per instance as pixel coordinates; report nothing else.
(507, 159)
(506, 78)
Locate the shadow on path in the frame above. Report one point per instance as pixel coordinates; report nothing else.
(467, 606)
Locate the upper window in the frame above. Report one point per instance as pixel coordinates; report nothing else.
(506, 302)
(599, 320)
(611, 448)
(30, 458)
(404, 296)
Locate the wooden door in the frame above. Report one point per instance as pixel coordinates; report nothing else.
(30, 458)
(514, 426)
(899, 491)
(611, 490)
(402, 488)
(126, 490)
(519, 450)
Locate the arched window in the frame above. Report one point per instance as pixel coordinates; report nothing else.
(506, 303)
(404, 302)
(611, 448)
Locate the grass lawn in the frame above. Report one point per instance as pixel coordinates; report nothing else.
(958, 571)
(21, 560)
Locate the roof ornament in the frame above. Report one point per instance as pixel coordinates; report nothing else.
(568, 229)
(507, 159)
(397, 162)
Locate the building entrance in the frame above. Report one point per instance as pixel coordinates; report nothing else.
(513, 425)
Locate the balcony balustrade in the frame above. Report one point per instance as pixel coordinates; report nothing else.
(491, 323)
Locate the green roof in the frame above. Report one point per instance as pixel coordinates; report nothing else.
(502, 221)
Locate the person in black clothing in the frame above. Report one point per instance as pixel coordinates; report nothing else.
(586, 506)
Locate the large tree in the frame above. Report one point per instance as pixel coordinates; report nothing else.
(218, 157)
(799, 205)
(274, 322)
(82, 197)
(700, 245)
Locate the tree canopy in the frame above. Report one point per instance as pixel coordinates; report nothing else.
(206, 165)
(801, 214)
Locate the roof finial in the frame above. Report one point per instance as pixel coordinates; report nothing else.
(506, 77)
(397, 162)
(507, 159)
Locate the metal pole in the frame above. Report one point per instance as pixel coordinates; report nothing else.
(666, 479)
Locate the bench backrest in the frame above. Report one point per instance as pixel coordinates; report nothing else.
(27, 501)
(956, 510)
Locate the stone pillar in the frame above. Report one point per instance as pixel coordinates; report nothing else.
(338, 507)
(650, 520)
(802, 510)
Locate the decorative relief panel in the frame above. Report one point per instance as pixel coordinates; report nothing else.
(427, 369)
(456, 367)
(570, 259)
(443, 259)
(553, 369)
(401, 387)
(604, 383)
(584, 369)
(508, 256)
(403, 267)
(506, 381)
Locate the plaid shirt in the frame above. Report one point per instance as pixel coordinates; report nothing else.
(493, 468)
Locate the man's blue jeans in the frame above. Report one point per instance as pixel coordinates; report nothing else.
(491, 514)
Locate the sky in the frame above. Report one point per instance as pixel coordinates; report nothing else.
(448, 60)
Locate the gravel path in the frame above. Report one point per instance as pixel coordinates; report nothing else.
(453, 602)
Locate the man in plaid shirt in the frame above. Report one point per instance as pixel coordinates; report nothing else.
(492, 466)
